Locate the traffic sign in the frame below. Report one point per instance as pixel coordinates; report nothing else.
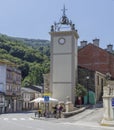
(46, 98)
(112, 102)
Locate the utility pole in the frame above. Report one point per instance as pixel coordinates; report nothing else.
(87, 78)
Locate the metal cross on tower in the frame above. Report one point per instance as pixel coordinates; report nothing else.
(64, 10)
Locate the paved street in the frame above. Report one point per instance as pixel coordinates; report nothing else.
(87, 120)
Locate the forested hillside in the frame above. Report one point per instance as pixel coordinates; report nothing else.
(31, 57)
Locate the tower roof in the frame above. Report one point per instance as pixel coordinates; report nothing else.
(64, 23)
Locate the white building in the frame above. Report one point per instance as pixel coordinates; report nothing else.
(28, 94)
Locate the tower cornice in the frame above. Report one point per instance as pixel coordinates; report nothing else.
(65, 33)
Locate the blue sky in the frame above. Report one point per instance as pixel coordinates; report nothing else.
(33, 18)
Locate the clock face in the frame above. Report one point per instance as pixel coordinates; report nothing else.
(61, 41)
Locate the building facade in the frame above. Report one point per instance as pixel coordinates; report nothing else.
(2, 102)
(94, 58)
(93, 81)
(10, 85)
(100, 82)
(28, 94)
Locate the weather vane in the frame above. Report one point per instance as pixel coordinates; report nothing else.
(64, 22)
(64, 9)
(64, 19)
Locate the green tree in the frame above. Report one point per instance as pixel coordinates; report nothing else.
(24, 67)
(31, 56)
(80, 90)
(26, 82)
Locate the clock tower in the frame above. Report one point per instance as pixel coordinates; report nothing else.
(63, 68)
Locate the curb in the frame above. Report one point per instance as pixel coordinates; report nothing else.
(107, 123)
(68, 114)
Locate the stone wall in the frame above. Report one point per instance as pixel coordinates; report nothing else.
(108, 96)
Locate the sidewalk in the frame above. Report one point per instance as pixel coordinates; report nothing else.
(107, 123)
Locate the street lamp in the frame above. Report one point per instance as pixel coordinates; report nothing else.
(87, 90)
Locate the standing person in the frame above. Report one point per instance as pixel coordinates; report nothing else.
(55, 110)
(60, 108)
(39, 112)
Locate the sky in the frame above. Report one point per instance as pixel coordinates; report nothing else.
(33, 18)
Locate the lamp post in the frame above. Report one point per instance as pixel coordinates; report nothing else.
(87, 78)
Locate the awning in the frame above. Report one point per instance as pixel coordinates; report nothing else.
(41, 100)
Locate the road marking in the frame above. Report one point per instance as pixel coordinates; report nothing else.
(22, 118)
(14, 118)
(5, 119)
(31, 119)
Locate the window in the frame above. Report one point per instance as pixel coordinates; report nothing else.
(1, 98)
(7, 87)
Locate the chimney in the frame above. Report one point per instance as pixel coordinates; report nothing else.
(96, 42)
(83, 43)
(110, 48)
